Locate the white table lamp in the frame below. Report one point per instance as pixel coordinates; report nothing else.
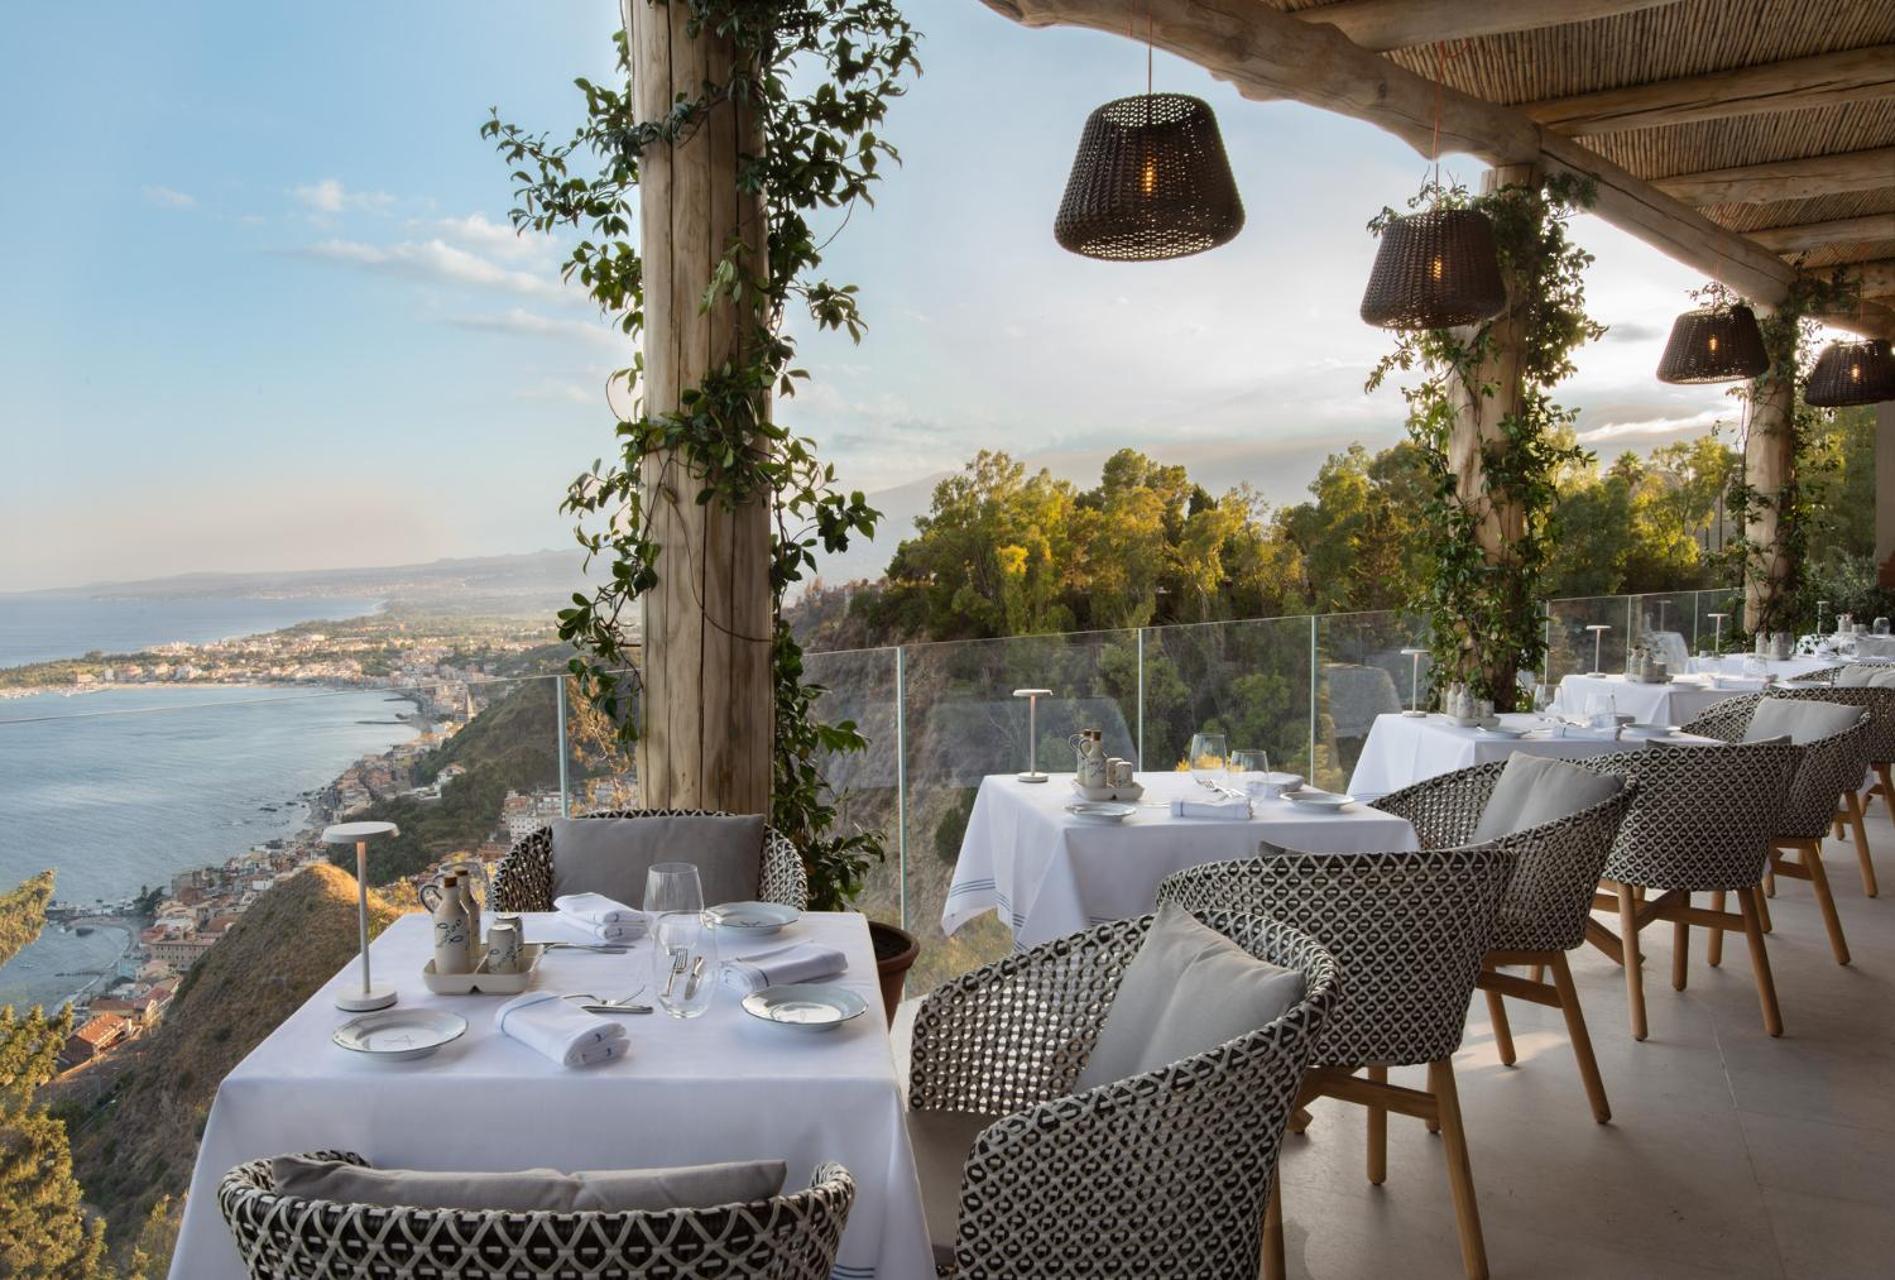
(359, 834)
(1717, 631)
(1032, 697)
(1414, 682)
(1598, 630)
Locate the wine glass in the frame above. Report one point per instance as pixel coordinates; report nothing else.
(684, 963)
(1248, 769)
(1208, 754)
(672, 887)
(1543, 695)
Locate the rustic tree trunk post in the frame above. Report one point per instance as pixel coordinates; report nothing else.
(706, 709)
(1482, 401)
(1769, 466)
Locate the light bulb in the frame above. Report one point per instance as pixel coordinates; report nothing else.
(1148, 180)
(1713, 341)
(1855, 373)
(1435, 268)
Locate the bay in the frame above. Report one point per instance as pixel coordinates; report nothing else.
(46, 626)
(126, 787)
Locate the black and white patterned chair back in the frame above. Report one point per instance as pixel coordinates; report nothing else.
(1828, 765)
(794, 1236)
(1879, 702)
(524, 879)
(1408, 930)
(1550, 896)
(1161, 1174)
(1704, 816)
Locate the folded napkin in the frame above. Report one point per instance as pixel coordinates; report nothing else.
(563, 1032)
(1228, 809)
(1609, 733)
(1742, 682)
(796, 962)
(596, 909)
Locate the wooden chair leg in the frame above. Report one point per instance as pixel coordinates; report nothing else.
(1714, 949)
(1853, 803)
(1825, 900)
(1748, 900)
(1299, 1120)
(1680, 951)
(1582, 1041)
(1460, 1170)
(1634, 962)
(1537, 973)
(1378, 1133)
(1273, 1266)
(1503, 1031)
(1886, 785)
(1763, 913)
(1769, 883)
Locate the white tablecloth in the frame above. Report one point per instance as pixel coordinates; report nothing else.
(1674, 703)
(1404, 749)
(1733, 664)
(721, 1087)
(1049, 874)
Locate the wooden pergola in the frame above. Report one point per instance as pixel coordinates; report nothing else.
(1749, 139)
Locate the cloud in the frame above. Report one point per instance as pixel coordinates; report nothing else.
(1652, 431)
(166, 198)
(330, 196)
(563, 392)
(1633, 331)
(435, 261)
(518, 320)
(495, 238)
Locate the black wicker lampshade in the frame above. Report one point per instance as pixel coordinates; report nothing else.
(1849, 373)
(1150, 181)
(1434, 270)
(1713, 344)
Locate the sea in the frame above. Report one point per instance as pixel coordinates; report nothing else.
(123, 788)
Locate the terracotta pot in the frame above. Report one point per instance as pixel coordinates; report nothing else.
(895, 954)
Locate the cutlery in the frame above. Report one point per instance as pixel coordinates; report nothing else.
(677, 967)
(616, 1008)
(603, 948)
(690, 983)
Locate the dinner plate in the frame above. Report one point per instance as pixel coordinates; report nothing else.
(398, 1035)
(1321, 801)
(1101, 811)
(807, 1006)
(1503, 731)
(758, 918)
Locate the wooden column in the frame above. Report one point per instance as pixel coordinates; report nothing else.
(706, 714)
(1769, 464)
(1499, 515)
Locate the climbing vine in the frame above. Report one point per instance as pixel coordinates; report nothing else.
(818, 77)
(1778, 570)
(1487, 550)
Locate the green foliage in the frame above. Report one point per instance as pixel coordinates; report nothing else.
(818, 77)
(44, 1231)
(23, 913)
(1482, 590)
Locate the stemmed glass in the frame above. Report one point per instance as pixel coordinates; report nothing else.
(1209, 751)
(1248, 771)
(684, 959)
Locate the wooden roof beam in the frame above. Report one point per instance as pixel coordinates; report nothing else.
(1829, 79)
(1798, 179)
(1401, 24)
(1820, 235)
(1876, 279)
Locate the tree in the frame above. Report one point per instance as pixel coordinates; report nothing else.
(23, 913)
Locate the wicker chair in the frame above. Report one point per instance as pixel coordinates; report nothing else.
(1703, 822)
(1879, 701)
(524, 879)
(1830, 767)
(1162, 1174)
(1544, 912)
(794, 1236)
(1409, 930)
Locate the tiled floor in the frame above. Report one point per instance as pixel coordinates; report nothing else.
(1729, 1153)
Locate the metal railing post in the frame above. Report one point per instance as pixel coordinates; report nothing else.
(901, 778)
(1312, 699)
(559, 714)
(1141, 700)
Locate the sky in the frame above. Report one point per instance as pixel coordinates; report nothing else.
(261, 307)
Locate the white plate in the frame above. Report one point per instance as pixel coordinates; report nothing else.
(1104, 811)
(397, 1035)
(1321, 801)
(1503, 731)
(1649, 730)
(758, 918)
(807, 1006)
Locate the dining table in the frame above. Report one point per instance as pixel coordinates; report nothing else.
(1049, 872)
(1402, 750)
(1677, 701)
(724, 1086)
(1742, 664)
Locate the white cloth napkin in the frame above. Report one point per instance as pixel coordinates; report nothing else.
(563, 1032)
(1228, 809)
(1741, 682)
(596, 908)
(1609, 733)
(796, 962)
(602, 917)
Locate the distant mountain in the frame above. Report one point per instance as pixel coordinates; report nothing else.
(899, 507)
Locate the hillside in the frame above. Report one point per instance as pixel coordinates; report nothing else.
(135, 1139)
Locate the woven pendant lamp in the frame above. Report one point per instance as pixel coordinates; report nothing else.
(1713, 344)
(1434, 270)
(1151, 181)
(1850, 373)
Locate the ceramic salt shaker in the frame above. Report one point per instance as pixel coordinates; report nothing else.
(451, 930)
(475, 948)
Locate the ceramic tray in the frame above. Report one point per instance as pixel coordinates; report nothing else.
(482, 983)
(1129, 794)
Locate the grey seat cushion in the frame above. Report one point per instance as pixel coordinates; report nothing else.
(1805, 721)
(612, 855)
(1188, 990)
(941, 1141)
(1534, 790)
(526, 1190)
